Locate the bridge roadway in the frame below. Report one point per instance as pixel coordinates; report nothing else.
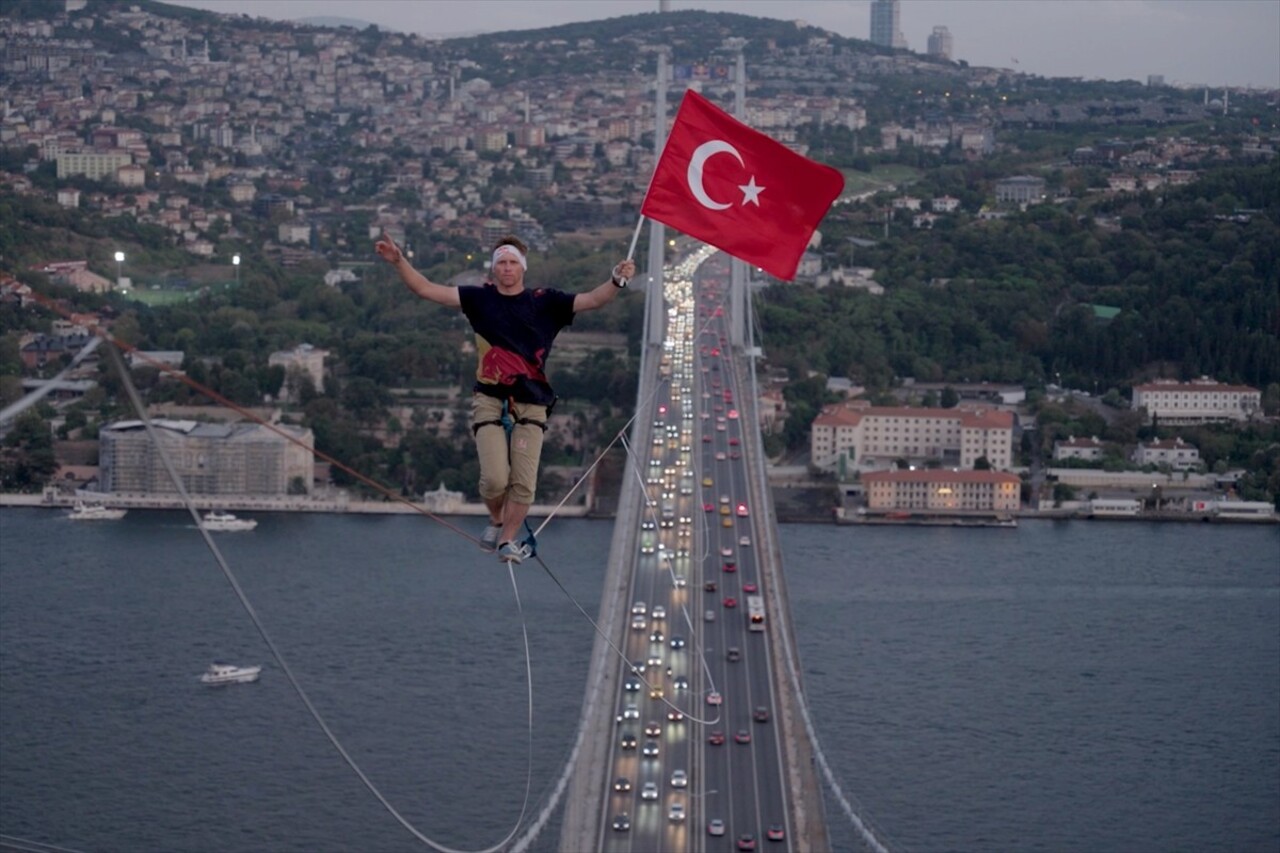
(697, 426)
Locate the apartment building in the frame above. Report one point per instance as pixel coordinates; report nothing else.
(942, 491)
(1174, 452)
(876, 436)
(1198, 401)
(1078, 448)
(211, 459)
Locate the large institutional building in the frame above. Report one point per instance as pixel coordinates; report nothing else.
(212, 459)
(943, 491)
(877, 436)
(1196, 402)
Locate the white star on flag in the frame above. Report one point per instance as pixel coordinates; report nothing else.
(751, 192)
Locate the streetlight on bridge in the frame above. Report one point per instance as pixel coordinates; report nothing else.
(119, 265)
(235, 262)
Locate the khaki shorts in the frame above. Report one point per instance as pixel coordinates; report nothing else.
(509, 468)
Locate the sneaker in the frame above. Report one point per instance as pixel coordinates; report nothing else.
(514, 552)
(489, 539)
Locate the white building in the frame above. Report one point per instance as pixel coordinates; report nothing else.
(1173, 452)
(1078, 448)
(303, 359)
(876, 436)
(1198, 401)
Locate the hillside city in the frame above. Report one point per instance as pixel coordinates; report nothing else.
(159, 157)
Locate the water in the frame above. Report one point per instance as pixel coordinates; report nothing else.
(1065, 686)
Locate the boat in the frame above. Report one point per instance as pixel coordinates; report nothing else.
(226, 522)
(225, 673)
(94, 512)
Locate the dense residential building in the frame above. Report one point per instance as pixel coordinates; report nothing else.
(1078, 448)
(95, 165)
(1174, 452)
(1199, 401)
(942, 491)
(885, 23)
(211, 459)
(877, 436)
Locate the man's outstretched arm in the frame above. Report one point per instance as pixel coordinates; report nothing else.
(602, 294)
(414, 280)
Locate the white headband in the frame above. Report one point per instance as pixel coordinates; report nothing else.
(508, 250)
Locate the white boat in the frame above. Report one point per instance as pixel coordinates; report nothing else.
(225, 521)
(94, 512)
(225, 673)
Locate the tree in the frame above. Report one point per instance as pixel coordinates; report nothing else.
(950, 399)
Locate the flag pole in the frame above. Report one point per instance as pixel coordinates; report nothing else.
(635, 238)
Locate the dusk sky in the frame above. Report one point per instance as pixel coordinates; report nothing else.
(1193, 42)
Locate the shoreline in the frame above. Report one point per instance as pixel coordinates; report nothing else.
(342, 506)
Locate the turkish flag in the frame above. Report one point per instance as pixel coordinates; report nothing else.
(735, 188)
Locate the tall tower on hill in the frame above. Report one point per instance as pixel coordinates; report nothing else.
(885, 30)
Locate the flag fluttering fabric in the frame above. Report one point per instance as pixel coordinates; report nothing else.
(730, 185)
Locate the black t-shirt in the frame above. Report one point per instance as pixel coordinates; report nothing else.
(513, 338)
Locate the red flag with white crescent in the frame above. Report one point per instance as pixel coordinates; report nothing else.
(730, 185)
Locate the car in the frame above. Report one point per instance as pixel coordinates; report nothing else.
(726, 522)
(721, 456)
(749, 587)
(760, 714)
(679, 779)
(655, 662)
(621, 822)
(622, 784)
(744, 541)
(639, 608)
(730, 601)
(733, 454)
(650, 749)
(681, 683)
(655, 692)
(746, 841)
(733, 414)
(709, 616)
(675, 715)
(715, 827)
(628, 741)
(630, 712)
(657, 637)
(734, 654)
(724, 500)
(706, 481)
(733, 441)
(679, 581)
(652, 729)
(637, 668)
(676, 813)
(776, 833)
(631, 685)
(724, 510)
(726, 551)
(709, 586)
(742, 510)
(716, 738)
(659, 612)
(707, 507)
(730, 565)
(647, 524)
(742, 736)
(677, 642)
(639, 623)
(649, 791)
(706, 439)
(714, 698)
